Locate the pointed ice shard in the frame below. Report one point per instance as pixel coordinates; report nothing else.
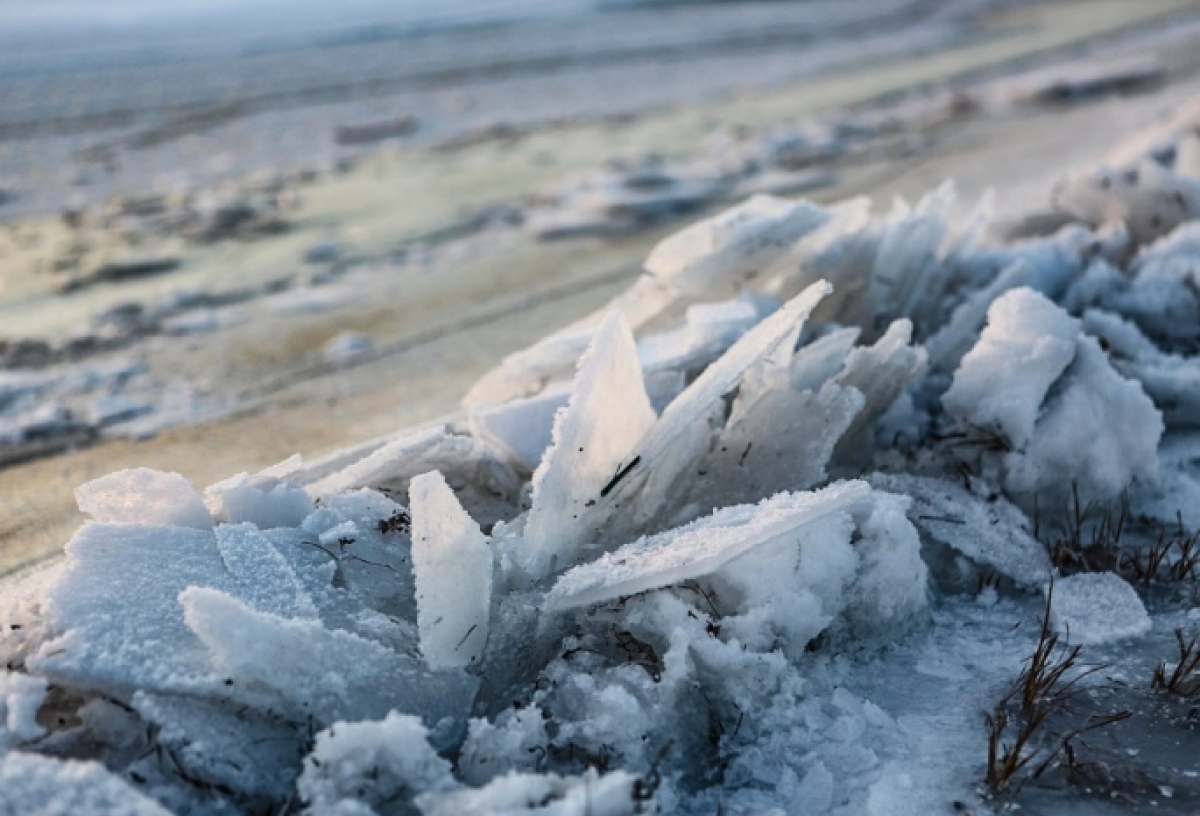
(594, 437)
(452, 563)
(701, 547)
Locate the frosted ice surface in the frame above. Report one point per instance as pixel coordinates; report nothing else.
(522, 428)
(1097, 607)
(143, 496)
(112, 614)
(261, 575)
(594, 437)
(518, 794)
(701, 547)
(991, 532)
(1027, 345)
(1099, 432)
(20, 698)
(452, 564)
(375, 763)
(329, 674)
(908, 260)
(715, 257)
(32, 785)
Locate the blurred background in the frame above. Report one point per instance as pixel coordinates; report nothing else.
(232, 231)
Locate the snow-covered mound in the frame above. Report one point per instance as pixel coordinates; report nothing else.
(638, 575)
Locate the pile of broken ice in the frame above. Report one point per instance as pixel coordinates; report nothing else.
(607, 588)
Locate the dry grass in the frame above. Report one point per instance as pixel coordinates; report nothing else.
(1021, 747)
(1184, 679)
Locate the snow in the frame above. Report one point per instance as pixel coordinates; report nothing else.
(372, 763)
(20, 698)
(1003, 380)
(1097, 607)
(32, 785)
(452, 565)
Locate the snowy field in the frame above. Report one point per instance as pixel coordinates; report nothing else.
(831, 511)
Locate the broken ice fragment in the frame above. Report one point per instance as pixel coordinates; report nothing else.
(522, 428)
(452, 563)
(699, 548)
(1027, 345)
(328, 674)
(143, 496)
(1099, 431)
(1097, 607)
(681, 436)
(991, 532)
(594, 437)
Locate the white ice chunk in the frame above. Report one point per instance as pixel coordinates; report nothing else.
(143, 496)
(20, 698)
(715, 257)
(375, 763)
(992, 532)
(263, 500)
(594, 437)
(452, 564)
(32, 785)
(1173, 382)
(1097, 607)
(956, 337)
(1027, 345)
(518, 794)
(329, 674)
(522, 428)
(1099, 432)
(701, 547)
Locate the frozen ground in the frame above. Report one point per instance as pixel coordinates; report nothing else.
(832, 509)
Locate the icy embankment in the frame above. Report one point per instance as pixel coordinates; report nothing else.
(645, 571)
